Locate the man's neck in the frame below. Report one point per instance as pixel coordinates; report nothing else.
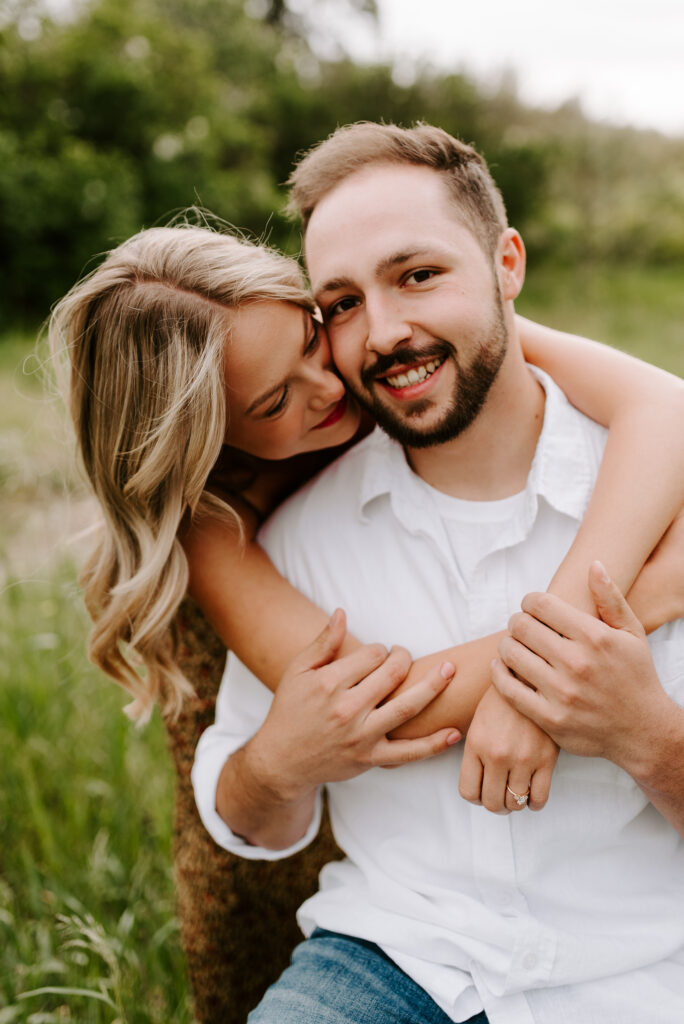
(492, 458)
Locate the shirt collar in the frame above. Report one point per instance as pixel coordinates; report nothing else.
(561, 471)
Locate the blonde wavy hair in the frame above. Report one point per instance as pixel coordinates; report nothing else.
(141, 343)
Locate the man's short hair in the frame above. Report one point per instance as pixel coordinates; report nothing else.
(356, 146)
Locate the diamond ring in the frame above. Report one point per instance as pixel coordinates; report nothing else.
(520, 798)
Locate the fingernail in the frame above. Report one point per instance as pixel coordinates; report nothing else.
(446, 670)
(452, 738)
(494, 662)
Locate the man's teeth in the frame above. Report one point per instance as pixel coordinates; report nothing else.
(404, 380)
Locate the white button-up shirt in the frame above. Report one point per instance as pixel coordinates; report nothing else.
(572, 915)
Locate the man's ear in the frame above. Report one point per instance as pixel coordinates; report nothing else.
(511, 259)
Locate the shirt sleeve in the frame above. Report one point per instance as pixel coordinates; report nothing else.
(241, 706)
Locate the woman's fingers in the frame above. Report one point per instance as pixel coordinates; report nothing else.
(470, 778)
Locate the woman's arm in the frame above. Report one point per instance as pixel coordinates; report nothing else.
(640, 487)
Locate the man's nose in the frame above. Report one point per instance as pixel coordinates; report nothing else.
(387, 325)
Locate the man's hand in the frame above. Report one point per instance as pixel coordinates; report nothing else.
(327, 723)
(504, 752)
(596, 691)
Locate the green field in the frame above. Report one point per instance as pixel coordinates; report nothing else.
(87, 927)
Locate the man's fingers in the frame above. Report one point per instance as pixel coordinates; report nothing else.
(391, 753)
(520, 696)
(555, 613)
(323, 649)
(537, 637)
(610, 603)
(382, 682)
(406, 705)
(524, 662)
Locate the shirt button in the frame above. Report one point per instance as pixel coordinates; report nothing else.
(505, 898)
(529, 961)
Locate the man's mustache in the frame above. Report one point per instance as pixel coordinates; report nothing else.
(401, 357)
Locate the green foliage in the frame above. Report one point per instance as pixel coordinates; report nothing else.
(119, 112)
(87, 926)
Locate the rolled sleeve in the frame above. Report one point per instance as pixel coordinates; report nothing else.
(236, 722)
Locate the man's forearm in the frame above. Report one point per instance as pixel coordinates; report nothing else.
(658, 768)
(255, 804)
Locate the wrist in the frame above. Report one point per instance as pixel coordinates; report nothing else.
(278, 782)
(656, 755)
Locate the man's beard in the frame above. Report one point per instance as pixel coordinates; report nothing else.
(472, 386)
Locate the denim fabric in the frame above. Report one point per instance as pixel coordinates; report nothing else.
(337, 979)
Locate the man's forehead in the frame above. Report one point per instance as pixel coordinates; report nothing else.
(375, 215)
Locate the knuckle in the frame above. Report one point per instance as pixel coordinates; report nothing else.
(376, 652)
(394, 671)
(536, 604)
(341, 714)
(581, 667)
(516, 623)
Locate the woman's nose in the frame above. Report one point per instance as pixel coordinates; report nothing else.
(327, 389)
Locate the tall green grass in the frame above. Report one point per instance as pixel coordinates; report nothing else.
(87, 926)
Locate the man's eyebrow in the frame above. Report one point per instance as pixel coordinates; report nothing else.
(272, 392)
(336, 284)
(383, 265)
(397, 258)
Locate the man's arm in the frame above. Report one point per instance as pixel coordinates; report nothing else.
(324, 725)
(596, 691)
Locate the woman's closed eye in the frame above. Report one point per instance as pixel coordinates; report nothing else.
(279, 404)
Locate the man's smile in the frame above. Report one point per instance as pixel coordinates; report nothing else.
(409, 381)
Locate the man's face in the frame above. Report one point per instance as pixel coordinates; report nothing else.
(412, 303)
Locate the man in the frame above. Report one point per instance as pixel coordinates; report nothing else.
(442, 911)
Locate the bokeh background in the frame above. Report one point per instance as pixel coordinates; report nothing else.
(114, 115)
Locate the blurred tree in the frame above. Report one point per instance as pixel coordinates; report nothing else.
(116, 113)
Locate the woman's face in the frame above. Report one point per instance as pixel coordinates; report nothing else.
(283, 396)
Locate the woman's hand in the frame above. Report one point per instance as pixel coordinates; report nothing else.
(506, 755)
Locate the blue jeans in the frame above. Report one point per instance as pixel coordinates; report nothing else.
(337, 979)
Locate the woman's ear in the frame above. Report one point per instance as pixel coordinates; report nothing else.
(511, 261)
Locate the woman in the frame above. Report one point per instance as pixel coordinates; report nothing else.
(202, 391)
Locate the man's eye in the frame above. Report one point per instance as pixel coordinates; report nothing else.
(341, 306)
(279, 405)
(419, 276)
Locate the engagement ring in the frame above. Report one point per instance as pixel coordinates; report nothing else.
(520, 798)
